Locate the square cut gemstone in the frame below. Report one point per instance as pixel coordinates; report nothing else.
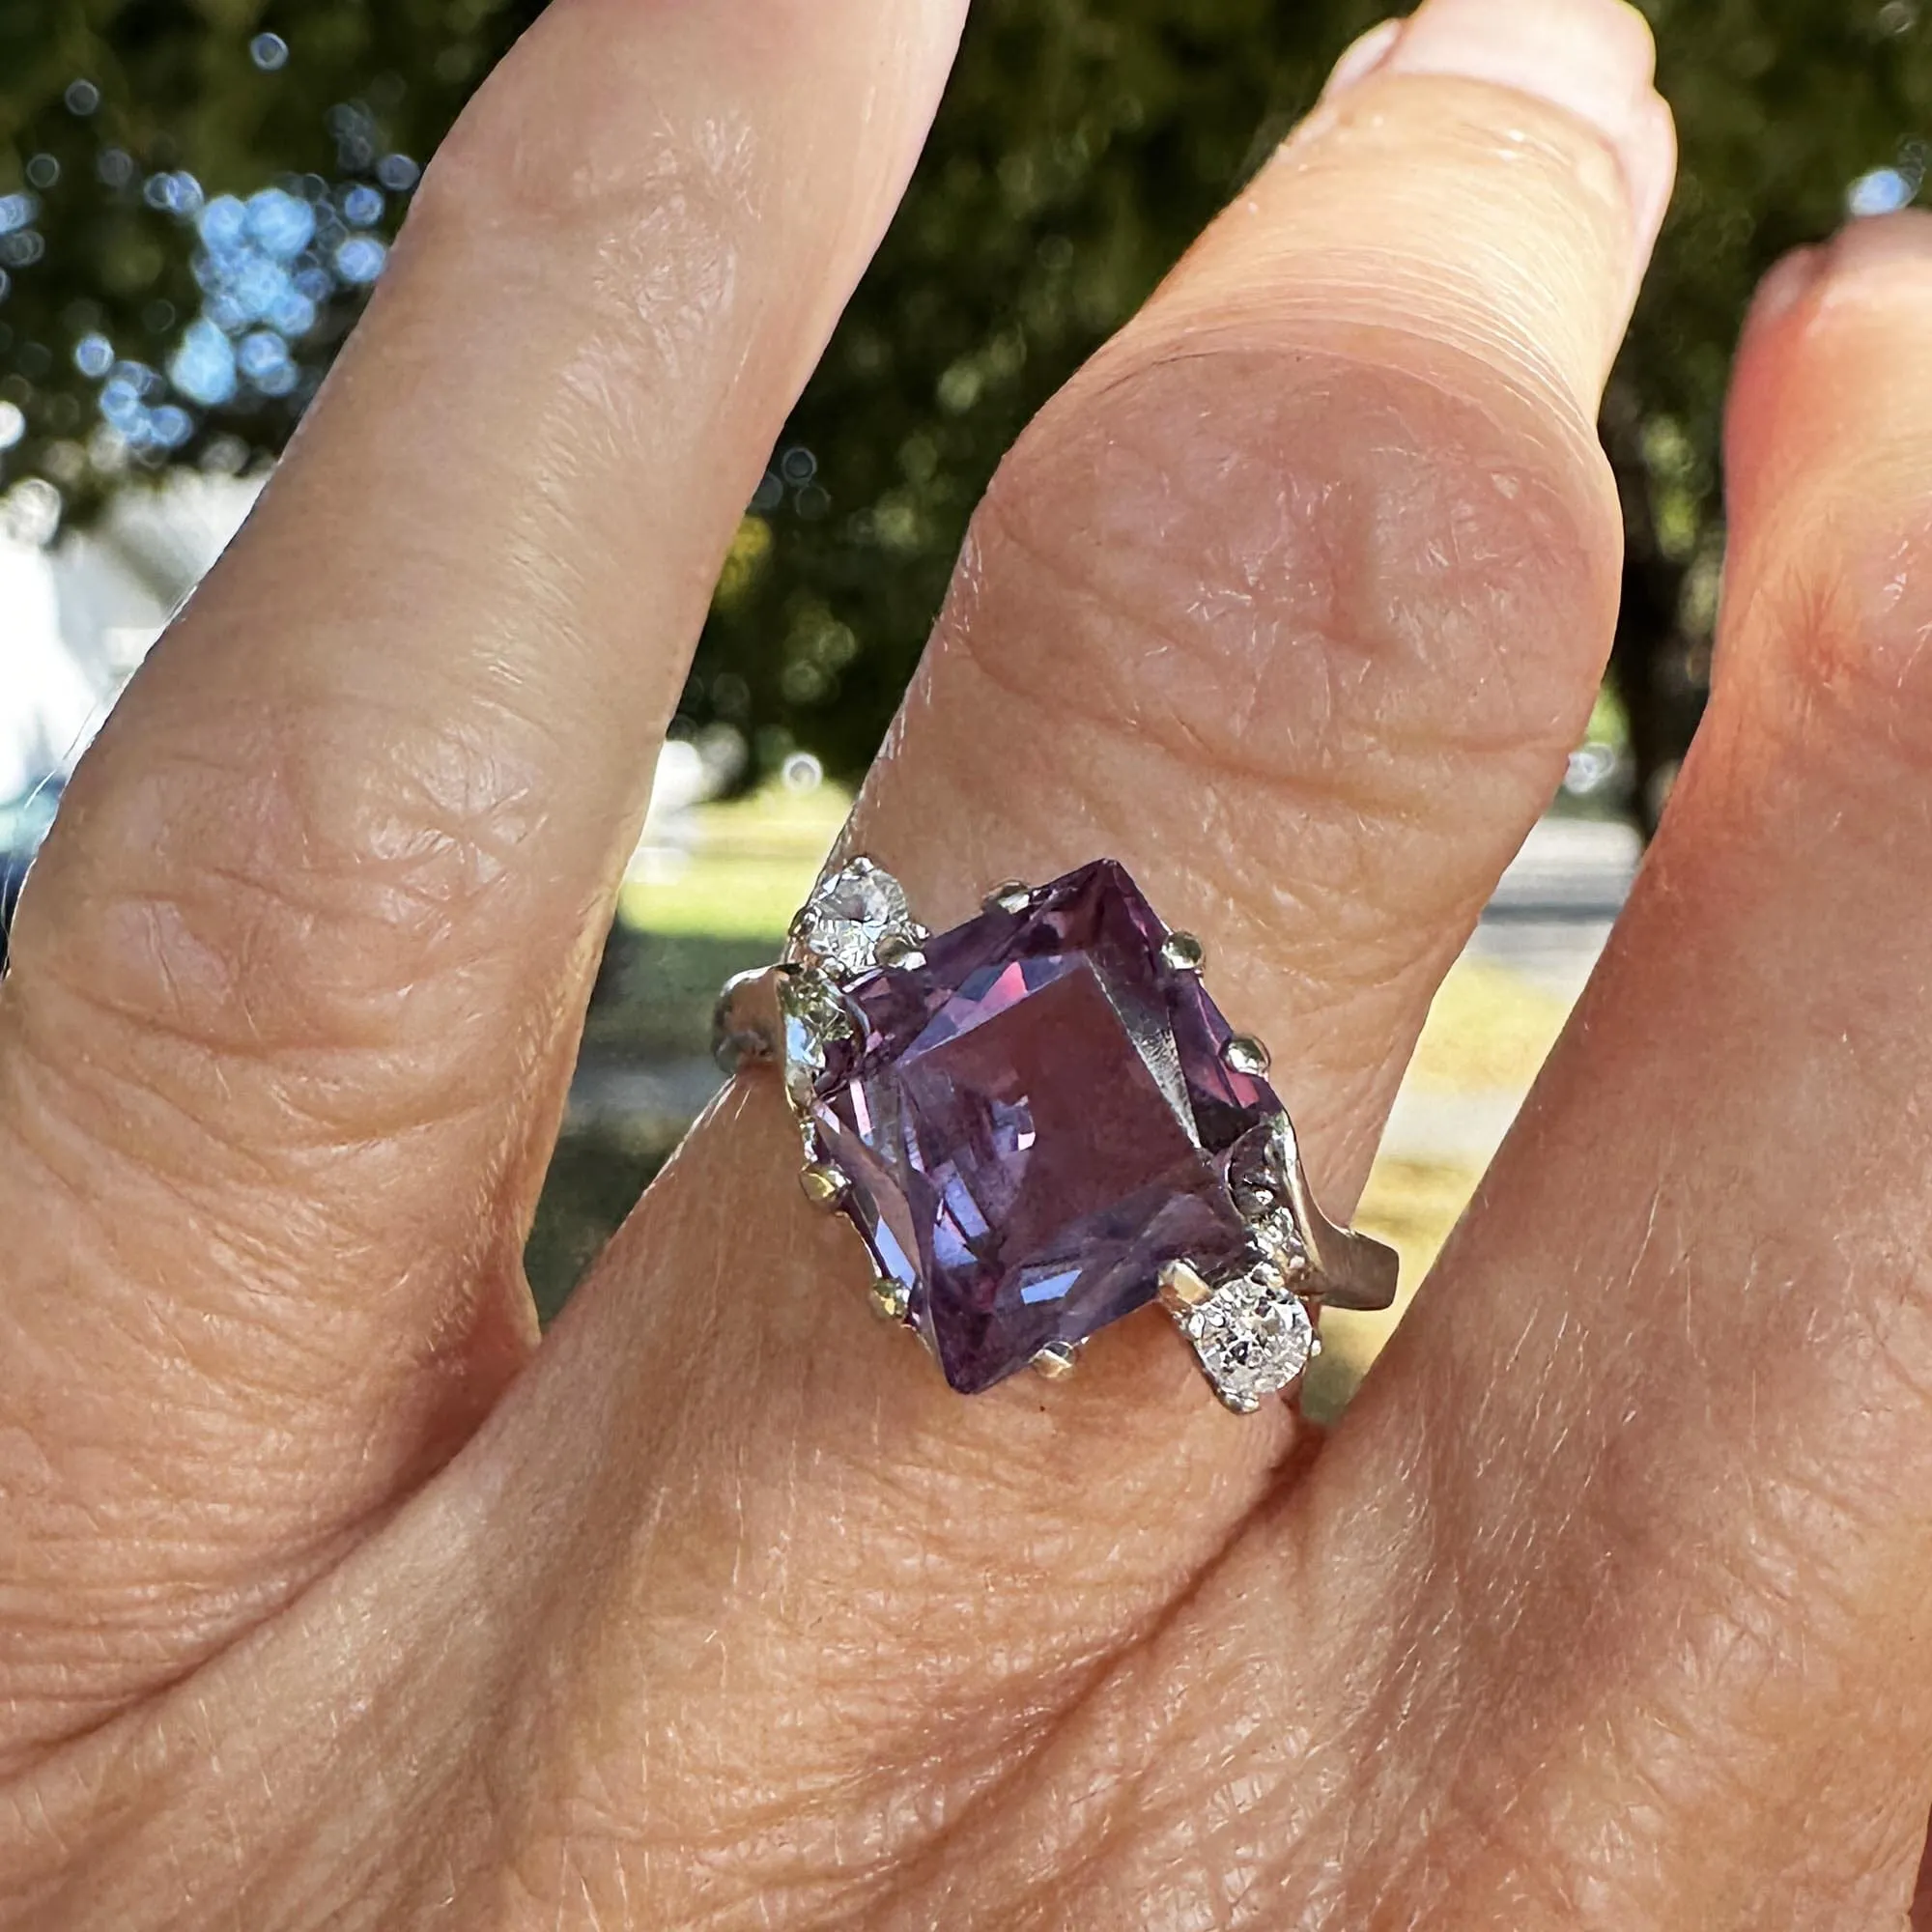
(1035, 1121)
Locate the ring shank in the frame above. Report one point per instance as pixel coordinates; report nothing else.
(1357, 1272)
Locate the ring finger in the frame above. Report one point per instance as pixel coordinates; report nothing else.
(1295, 601)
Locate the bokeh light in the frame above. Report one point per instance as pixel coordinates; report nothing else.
(278, 272)
(360, 259)
(1882, 191)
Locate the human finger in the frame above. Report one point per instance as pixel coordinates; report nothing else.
(297, 983)
(1667, 1396)
(1295, 602)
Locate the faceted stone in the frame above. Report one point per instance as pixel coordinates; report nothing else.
(1035, 1121)
(813, 1012)
(1253, 1337)
(1257, 1178)
(848, 916)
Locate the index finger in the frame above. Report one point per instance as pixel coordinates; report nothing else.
(298, 980)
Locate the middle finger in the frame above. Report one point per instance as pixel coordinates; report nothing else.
(1295, 601)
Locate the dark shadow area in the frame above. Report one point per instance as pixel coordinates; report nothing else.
(642, 1076)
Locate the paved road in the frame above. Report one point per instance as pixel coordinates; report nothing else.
(1548, 921)
(1554, 908)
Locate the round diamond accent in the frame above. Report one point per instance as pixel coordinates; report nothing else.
(849, 917)
(1253, 1338)
(814, 1015)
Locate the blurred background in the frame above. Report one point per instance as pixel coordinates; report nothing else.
(196, 197)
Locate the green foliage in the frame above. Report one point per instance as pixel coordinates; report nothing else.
(1083, 144)
(119, 119)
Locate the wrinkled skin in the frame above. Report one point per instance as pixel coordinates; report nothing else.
(327, 1597)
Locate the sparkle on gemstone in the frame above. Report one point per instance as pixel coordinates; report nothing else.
(1253, 1338)
(1257, 1178)
(849, 915)
(1035, 1121)
(814, 1013)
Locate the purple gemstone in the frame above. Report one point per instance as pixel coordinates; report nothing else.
(1035, 1121)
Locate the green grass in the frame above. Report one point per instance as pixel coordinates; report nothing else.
(655, 991)
(756, 859)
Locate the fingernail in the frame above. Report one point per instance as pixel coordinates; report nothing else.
(1785, 288)
(1367, 56)
(1593, 58)
(1867, 250)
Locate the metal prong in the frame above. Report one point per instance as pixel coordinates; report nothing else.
(1183, 954)
(896, 949)
(1182, 1287)
(823, 1186)
(1055, 1361)
(1245, 1054)
(862, 863)
(890, 1299)
(1241, 1404)
(1010, 896)
(747, 1028)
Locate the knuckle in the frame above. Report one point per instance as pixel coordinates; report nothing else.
(646, 205)
(1314, 555)
(1829, 590)
(245, 889)
(1285, 570)
(1831, 650)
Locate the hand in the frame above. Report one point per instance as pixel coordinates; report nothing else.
(328, 1598)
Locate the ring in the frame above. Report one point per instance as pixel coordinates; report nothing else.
(1038, 1123)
